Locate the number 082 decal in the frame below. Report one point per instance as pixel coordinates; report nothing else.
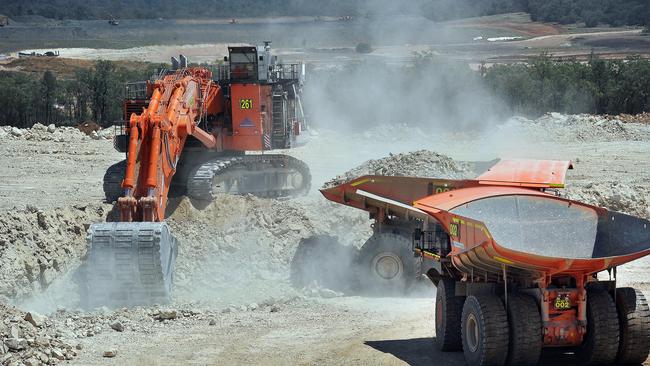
(246, 103)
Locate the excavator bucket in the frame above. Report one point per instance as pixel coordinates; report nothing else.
(129, 263)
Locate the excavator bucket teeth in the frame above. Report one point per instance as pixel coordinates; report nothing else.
(128, 264)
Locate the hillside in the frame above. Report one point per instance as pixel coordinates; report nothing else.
(591, 13)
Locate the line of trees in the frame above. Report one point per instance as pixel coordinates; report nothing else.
(92, 94)
(438, 93)
(591, 12)
(431, 88)
(153, 9)
(597, 86)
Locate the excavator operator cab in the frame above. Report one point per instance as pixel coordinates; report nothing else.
(249, 64)
(243, 64)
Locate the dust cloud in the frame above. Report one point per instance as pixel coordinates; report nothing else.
(358, 110)
(431, 93)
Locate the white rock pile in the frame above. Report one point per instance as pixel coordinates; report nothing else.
(615, 196)
(422, 163)
(579, 127)
(31, 339)
(40, 132)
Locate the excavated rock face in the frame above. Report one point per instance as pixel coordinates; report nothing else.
(36, 246)
(632, 118)
(562, 128)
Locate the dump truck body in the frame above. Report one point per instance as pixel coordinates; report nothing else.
(508, 235)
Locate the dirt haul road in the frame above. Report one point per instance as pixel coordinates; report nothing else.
(348, 330)
(233, 301)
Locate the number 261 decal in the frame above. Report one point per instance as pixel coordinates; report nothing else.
(246, 103)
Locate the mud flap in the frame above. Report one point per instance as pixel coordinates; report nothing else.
(129, 264)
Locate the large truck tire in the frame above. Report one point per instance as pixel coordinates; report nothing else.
(525, 322)
(449, 309)
(113, 181)
(634, 324)
(484, 330)
(386, 264)
(600, 344)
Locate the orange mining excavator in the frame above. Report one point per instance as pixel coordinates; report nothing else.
(190, 132)
(515, 265)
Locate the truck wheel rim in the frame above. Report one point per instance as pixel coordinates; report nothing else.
(471, 330)
(387, 265)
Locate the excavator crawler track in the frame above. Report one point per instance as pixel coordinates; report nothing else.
(129, 263)
(268, 176)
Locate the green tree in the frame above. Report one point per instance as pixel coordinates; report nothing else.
(48, 95)
(101, 82)
(75, 98)
(599, 86)
(18, 98)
